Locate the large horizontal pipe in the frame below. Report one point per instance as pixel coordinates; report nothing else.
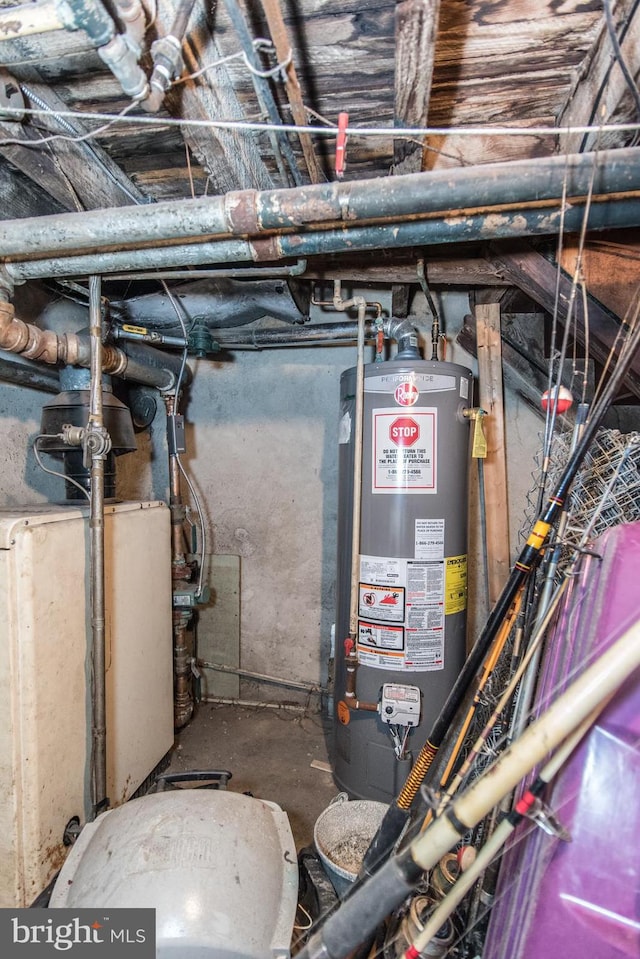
(15, 369)
(496, 224)
(513, 186)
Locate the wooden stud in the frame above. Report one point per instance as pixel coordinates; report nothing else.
(495, 465)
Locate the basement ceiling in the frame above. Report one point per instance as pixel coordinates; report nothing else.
(414, 64)
(471, 72)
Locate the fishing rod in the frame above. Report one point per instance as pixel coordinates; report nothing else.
(529, 806)
(399, 811)
(360, 914)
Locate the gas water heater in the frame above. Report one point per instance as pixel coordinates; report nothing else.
(392, 681)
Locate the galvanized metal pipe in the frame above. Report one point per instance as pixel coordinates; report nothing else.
(492, 225)
(521, 187)
(97, 560)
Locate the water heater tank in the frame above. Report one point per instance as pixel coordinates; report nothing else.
(413, 564)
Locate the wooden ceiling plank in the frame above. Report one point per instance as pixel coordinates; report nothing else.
(37, 164)
(416, 27)
(77, 174)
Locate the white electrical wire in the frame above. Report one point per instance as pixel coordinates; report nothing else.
(352, 131)
(194, 495)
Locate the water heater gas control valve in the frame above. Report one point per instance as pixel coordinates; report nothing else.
(400, 704)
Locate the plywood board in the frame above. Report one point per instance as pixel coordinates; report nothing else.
(219, 627)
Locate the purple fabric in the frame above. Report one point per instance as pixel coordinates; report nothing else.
(581, 900)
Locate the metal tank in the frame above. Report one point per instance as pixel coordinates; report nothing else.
(411, 624)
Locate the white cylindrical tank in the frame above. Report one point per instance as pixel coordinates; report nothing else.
(413, 558)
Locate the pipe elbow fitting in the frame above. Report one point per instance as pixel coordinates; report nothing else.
(123, 63)
(405, 336)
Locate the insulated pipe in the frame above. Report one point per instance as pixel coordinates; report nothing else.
(45, 346)
(622, 212)
(30, 18)
(520, 185)
(299, 335)
(360, 913)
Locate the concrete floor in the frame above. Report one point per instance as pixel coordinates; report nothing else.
(269, 753)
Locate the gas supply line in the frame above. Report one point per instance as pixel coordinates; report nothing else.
(372, 901)
(149, 367)
(399, 812)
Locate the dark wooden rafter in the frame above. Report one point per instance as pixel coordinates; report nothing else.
(537, 277)
(78, 174)
(231, 159)
(282, 43)
(600, 92)
(416, 27)
(525, 371)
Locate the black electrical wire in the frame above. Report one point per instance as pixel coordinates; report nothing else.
(617, 49)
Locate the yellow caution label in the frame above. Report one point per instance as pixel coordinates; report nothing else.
(142, 330)
(538, 535)
(455, 584)
(479, 445)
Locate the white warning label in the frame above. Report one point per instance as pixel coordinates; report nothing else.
(402, 610)
(404, 451)
(429, 539)
(380, 646)
(425, 583)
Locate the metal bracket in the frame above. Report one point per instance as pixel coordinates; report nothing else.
(543, 816)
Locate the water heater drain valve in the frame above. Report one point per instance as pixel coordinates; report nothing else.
(400, 705)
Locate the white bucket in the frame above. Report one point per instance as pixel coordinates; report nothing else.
(342, 834)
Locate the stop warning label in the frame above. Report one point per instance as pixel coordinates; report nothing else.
(404, 451)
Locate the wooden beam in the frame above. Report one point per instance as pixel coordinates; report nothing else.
(495, 464)
(393, 266)
(600, 92)
(524, 371)
(537, 277)
(610, 265)
(21, 197)
(231, 159)
(416, 30)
